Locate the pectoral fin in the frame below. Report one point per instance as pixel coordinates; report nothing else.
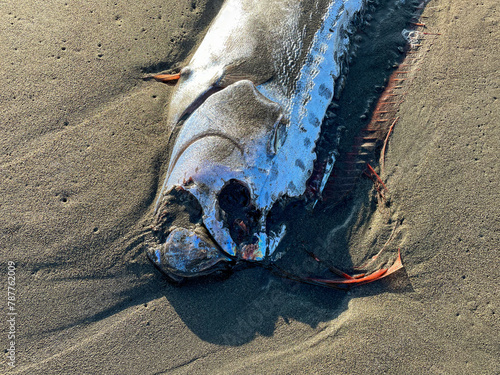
(169, 79)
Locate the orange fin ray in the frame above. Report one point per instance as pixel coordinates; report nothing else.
(377, 275)
(170, 79)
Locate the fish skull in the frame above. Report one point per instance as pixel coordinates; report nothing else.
(220, 165)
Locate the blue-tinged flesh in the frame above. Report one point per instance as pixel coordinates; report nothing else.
(248, 110)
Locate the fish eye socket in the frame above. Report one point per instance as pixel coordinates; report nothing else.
(234, 195)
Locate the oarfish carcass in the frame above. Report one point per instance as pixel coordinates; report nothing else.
(246, 115)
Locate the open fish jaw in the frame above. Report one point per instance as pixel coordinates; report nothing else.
(250, 138)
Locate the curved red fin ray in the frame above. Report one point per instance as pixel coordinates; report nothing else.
(377, 275)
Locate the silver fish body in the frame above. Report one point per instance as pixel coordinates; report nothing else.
(246, 114)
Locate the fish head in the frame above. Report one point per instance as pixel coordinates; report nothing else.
(220, 169)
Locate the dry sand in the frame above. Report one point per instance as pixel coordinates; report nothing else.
(82, 152)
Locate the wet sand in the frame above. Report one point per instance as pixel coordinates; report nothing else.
(83, 146)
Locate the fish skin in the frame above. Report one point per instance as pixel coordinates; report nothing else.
(248, 39)
(248, 107)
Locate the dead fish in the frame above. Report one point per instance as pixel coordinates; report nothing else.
(246, 115)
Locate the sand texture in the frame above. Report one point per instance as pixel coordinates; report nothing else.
(83, 148)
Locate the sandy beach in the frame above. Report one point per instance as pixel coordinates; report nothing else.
(83, 151)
